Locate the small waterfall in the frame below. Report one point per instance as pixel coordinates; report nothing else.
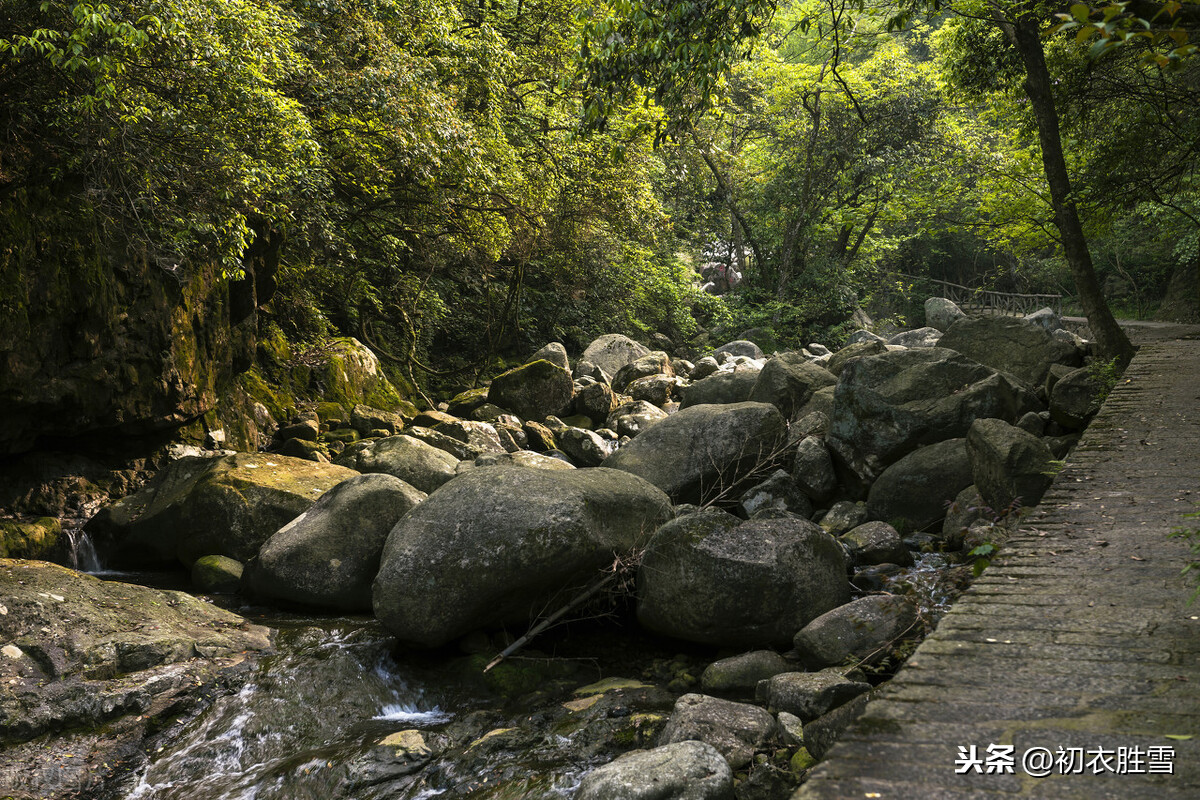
(82, 551)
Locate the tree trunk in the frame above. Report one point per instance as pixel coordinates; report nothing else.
(1112, 341)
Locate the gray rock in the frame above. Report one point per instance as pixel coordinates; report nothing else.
(862, 629)
(533, 391)
(886, 406)
(1045, 317)
(328, 556)
(920, 337)
(788, 381)
(808, 695)
(1075, 399)
(913, 493)
(706, 578)
(704, 367)
(813, 468)
(701, 451)
(852, 352)
(967, 509)
(819, 349)
(1033, 422)
(411, 460)
(739, 347)
(586, 369)
(365, 419)
(679, 771)
(596, 402)
(1010, 466)
(823, 732)
(496, 544)
(654, 389)
(481, 436)
(741, 673)
(941, 313)
(1021, 348)
(630, 419)
(522, 458)
(780, 492)
(585, 448)
(613, 351)
(723, 387)
(876, 543)
(862, 335)
(655, 363)
(736, 730)
(555, 353)
(441, 441)
(844, 517)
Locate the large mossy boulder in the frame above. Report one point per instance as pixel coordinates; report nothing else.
(1007, 344)
(702, 451)
(412, 460)
(708, 577)
(888, 405)
(350, 374)
(613, 351)
(788, 381)
(35, 539)
(913, 493)
(533, 391)
(721, 388)
(1012, 468)
(223, 506)
(328, 556)
(495, 545)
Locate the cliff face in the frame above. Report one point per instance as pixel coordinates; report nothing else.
(123, 348)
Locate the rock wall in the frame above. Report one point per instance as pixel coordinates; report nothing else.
(119, 347)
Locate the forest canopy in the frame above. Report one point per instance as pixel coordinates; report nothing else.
(455, 181)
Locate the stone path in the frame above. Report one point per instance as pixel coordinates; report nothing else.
(1079, 636)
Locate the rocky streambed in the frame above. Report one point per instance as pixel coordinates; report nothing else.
(772, 534)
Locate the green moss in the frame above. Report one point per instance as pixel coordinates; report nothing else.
(35, 540)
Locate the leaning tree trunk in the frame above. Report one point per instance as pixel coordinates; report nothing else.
(1112, 341)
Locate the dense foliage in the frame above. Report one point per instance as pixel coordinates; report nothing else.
(458, 182)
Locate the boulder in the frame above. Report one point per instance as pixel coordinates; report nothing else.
(709, 578)
(808, 695)
(654, 389)
(844, 517)
(876, 543)
(920, 337)
(1048, 318)
(480, 436)
(328, 556)
(365, 419)
(522, 458)
(701, 451)
(36, 539)
(463, 403)
(854, 352)
(739, 347)
(596, 401)
(737, 730)
(613, 351)
(555, 353)
(886, 406)
(863, 335)
(1075, 399)
(779, 492)
(741, 673)
(630, 419)
(913, 493)
(1024, 349)
(541, 438)
(588, 370)
(436, 439)
(941, 313)
(679, 771)
(824, 731)
(967, 509)
(703, 368)
(217, 575)
(220, 506)
(655, 363)
(812, 469)
(585, 448)
(1011, 467)
(413, 461)
(788, 381)
(495, 545)
(862, 629)
(722, 387)
(533, 391)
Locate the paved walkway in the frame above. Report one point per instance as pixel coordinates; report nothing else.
(1079, 636)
